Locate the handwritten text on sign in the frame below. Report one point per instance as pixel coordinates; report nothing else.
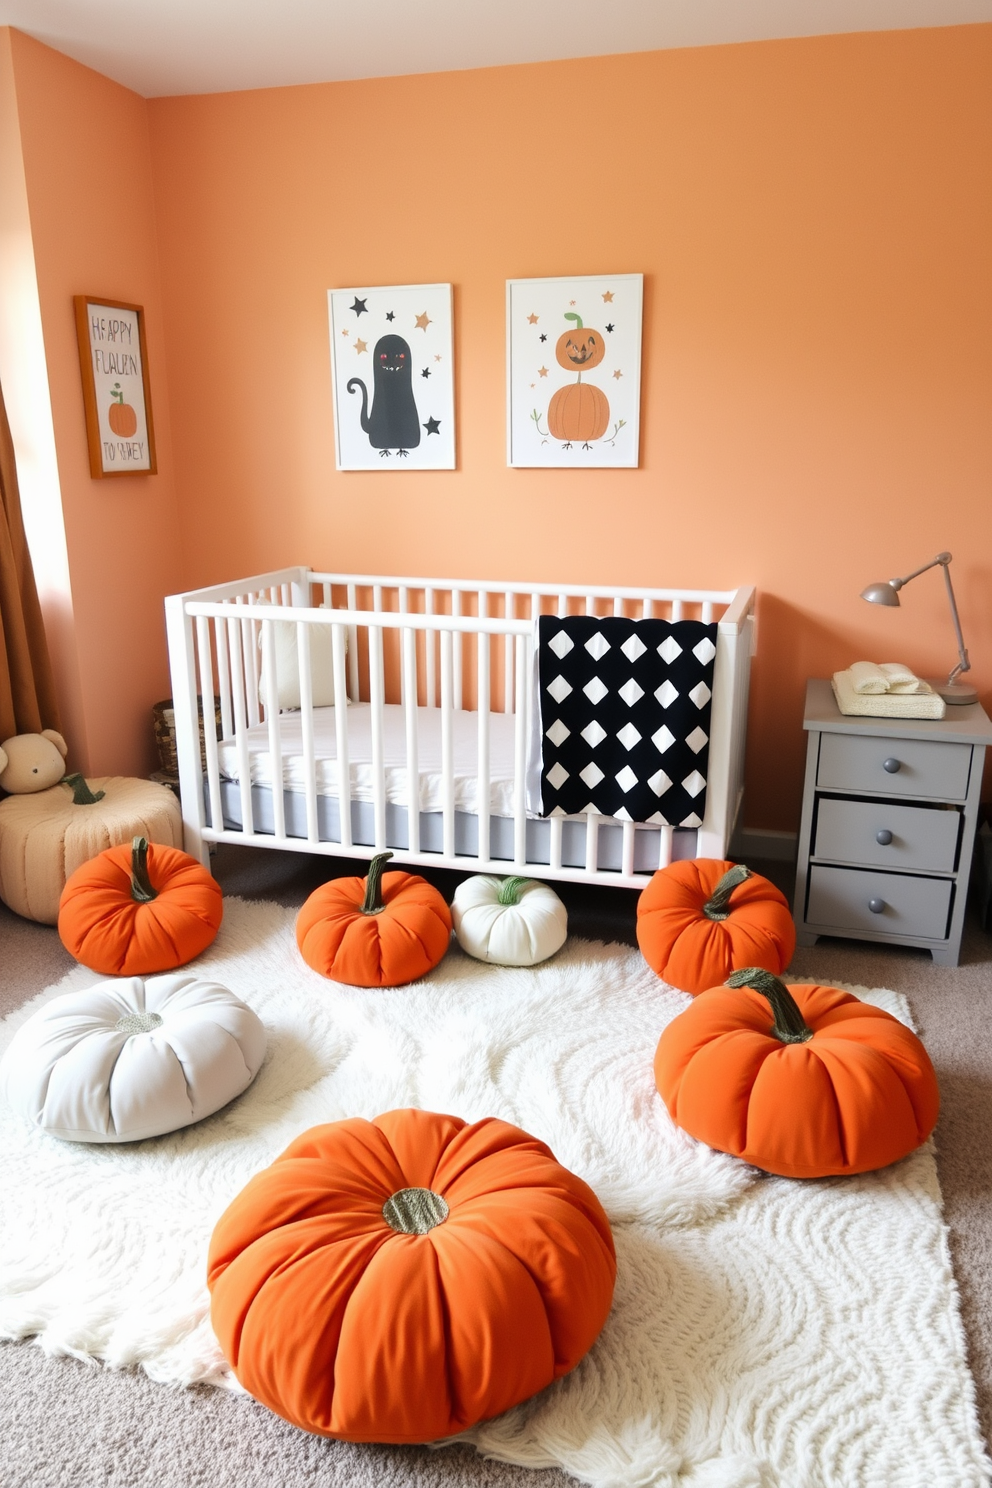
(115, 351)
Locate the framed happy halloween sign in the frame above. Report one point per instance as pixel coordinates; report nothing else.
(392, 377)
(113, 360)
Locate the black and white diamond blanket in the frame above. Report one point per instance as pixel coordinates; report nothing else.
(625, 717)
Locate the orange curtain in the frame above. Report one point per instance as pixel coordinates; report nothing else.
(27, 689)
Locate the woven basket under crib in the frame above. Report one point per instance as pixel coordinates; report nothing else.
(164, 721)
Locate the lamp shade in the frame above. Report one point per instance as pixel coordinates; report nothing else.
(883, 594)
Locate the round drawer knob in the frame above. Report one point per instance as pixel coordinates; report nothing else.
(883, 836)
(876, 905)
(892, 766)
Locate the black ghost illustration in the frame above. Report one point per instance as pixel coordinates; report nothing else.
(392, 422)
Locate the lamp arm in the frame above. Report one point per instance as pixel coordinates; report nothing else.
(964, 665)
(942, 558)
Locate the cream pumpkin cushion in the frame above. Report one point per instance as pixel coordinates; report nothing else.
(48, 835)
(508, 921)
(132, 1058)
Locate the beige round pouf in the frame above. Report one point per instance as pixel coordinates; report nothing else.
(48, 835)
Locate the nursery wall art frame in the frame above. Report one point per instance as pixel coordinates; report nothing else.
(113, 361)
(574, 371)
(392, 377)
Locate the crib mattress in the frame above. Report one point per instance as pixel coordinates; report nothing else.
(465, 741)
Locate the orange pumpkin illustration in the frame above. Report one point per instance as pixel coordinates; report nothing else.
(579, 352)
(579, 411)
(122, 417)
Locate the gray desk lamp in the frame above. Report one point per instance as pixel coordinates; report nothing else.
(952, 691)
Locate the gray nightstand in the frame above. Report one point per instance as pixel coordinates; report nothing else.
(890, 807)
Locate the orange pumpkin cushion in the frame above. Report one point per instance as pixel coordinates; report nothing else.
(401, 1279)
(702, 918)
(803, 1081)
(379, 931)
(139, 908)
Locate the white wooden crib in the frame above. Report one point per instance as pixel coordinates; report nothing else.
(436, 681)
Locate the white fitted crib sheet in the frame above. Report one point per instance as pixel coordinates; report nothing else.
(465, 742)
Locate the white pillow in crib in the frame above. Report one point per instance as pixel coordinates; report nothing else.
(287, 660)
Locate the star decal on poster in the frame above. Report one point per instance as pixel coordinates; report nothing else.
(532, 319)
(360, 307)
(361, 345)
(423, 321)
(426, 372)
(433, 426)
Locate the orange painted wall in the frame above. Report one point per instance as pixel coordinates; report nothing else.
(89, 181)
(814, 222)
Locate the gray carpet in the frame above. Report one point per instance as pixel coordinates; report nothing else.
(67, 1424)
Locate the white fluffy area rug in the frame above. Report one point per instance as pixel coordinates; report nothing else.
(765, 1333)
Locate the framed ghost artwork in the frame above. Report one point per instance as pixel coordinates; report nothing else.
(392, 377)
(574, 371)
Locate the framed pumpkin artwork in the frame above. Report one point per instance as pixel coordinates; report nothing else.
(113, 360)
(574, 371)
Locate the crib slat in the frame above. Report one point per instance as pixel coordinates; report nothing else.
(447, 749)
(520, 754)
(665, 838)
(272, 721)
(509, 613)
(306, 720)
(592, 842)
(409, 648)
(456, 646)
(627, 850)
(377, 697)
(482, 792)
(209, 719)
(224, 679)
(249, 638)
(707, 615)
(676, 610)
(555, 834)
(429, 643)
(341, 730)
(352, 651)
(240, 724)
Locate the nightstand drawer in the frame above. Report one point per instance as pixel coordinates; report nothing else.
(881, 834)
(841, 898)
(917, 767)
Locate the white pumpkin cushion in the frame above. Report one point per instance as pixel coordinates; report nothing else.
(132, 1058)
(509, 921)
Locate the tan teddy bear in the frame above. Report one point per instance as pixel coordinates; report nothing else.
(32, 762)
